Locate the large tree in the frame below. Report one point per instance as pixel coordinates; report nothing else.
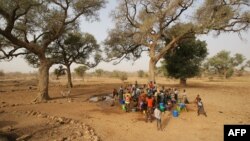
(77, 48)
(157, 26)
(33, 25)
(184, 61)
(73, 47)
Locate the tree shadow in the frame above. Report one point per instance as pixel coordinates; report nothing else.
(165, 122)
(7, 135)
(4, 123)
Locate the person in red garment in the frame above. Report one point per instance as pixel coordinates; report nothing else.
(150, 102)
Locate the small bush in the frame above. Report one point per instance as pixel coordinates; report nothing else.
(123, 76)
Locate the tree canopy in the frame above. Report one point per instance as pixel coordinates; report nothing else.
(184, 61)
(157, 26)
(73, 47)
(81, 70)
(59, 71)
(225, 65)
(31, 26)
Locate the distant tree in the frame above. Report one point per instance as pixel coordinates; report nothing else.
(59, 71)
(223, 64)
(31, 26)
(99, 72)
(75, 47)
(185, 60)
(248, 64)
(116, 73)
(238, 59)
(156, 26)
(123, 76)
(81, 71)
(141, 73)
(237, 62)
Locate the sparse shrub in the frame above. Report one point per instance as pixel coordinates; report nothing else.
(140, 73)
(123, 76)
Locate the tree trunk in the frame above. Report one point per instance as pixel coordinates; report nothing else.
(43, 81)
(152, 63)
(183, 81)
(151, 70)
(70, 85)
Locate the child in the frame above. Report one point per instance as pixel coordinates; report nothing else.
(157, 114)
(200, 108)
(150, 105)
(115, 94)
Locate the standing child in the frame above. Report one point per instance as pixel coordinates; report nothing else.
(176, 93)
(115, 94)
(157, 114)
(120, 94)
(200, 108)
(150, 103)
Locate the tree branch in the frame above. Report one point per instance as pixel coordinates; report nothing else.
(174, 18)
(17, 42)
(167, 47)
(11, 53)
(128, 16)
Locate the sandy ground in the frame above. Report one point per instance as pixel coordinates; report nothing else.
(225, 101)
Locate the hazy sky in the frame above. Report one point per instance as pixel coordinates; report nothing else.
(230, 42)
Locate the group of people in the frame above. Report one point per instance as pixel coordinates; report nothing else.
(149, 99)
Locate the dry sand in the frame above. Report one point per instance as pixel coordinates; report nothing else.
(225, 101)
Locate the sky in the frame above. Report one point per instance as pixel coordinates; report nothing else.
(229, 42)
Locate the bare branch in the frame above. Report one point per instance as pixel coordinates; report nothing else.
(17, 42)
(4, 13)
(167, 47)
(146, 9)
(129, 17)
(9, 55)
(184, 7)
(39, 36)
(60, 4)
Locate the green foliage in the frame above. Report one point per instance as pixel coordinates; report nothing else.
(73, 47)
(141, 73)
(99, 72)
(81, 70)
(123, 76)
(229, 72)
(59, 71)
(185, 60)
(116, 73)
(238, 59)
(119, 74)
(224, 65)
(157, 25)
(248, 64)
(138, 24)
